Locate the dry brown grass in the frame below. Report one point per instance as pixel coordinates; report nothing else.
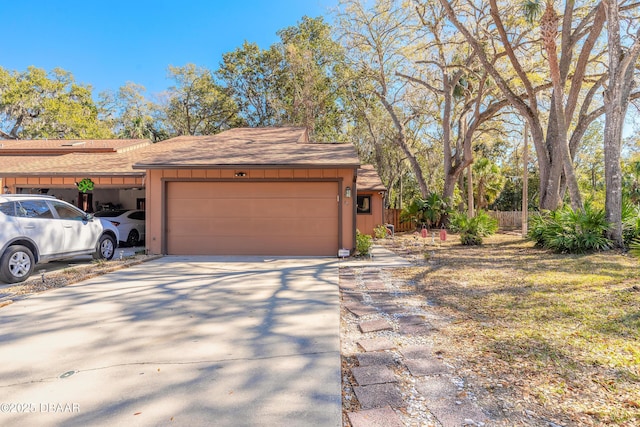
(554, 337)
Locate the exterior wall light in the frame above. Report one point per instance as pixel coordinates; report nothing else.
(5, 189)
(241, 174)
(347, 192)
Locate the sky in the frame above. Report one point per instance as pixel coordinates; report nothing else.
(106, 43)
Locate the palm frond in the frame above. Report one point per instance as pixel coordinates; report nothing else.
(532, 10)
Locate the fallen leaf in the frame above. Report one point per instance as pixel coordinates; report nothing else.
(632, 403)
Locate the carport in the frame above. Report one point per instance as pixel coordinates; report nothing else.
(56, 167)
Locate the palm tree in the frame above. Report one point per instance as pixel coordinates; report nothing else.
(489, 182)
(549, 33)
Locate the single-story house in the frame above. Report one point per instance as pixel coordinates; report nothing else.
(370, 200)
(265, 191)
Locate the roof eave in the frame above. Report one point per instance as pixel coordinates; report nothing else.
(372, 189)
(147, 166)
(69, 174)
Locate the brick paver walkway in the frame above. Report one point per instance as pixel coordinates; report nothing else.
(386, 324)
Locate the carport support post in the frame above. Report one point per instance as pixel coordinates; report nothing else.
(85, 201)
(354, 210)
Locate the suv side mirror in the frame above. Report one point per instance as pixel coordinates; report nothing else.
(88, 217)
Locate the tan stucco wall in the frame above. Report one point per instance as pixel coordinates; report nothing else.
(155, 194)
(367, 222)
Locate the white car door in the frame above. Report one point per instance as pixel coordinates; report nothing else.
(35, 218)
(79, 234)
(9, 226)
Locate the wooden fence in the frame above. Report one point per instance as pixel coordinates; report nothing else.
(506, 220)
(392, 216)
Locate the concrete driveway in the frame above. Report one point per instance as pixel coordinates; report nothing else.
(178, 341)
(82, 260)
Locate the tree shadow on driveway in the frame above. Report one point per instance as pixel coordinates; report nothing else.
(181, 340)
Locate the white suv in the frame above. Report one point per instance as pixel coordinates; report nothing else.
(37, 229)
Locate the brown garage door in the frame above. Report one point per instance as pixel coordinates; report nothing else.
(252, 218)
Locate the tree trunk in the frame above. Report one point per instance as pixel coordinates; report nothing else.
(612, 170)
(471, 210)
(401, 141)
(549, 30)
(415, 166)
(480, 202)
(621, 69)
(525, 183)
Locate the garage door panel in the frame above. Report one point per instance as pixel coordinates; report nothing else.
(249, 218)
(238, 190)
(237, 246)
(252, 227)
(245, 209)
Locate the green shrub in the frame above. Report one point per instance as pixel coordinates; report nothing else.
(363, 243)
(630, 221)
(430, 211)
(380, 232)
(567, 231)
(473, 229)
(634, 247)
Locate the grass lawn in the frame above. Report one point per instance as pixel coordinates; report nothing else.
(554, 337)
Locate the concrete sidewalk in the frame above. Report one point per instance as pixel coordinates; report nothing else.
(178, 341)
(380, 257)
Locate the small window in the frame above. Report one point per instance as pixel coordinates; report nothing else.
(364, 204)
(68, 212)
(34, 209)
(8, 208)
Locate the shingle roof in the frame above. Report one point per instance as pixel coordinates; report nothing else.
(369, 180)
(20, 164)
(96, 164)
(263, 147)
(62, 146)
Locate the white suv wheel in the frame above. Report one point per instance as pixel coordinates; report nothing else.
(16, 264)
(106, 247)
